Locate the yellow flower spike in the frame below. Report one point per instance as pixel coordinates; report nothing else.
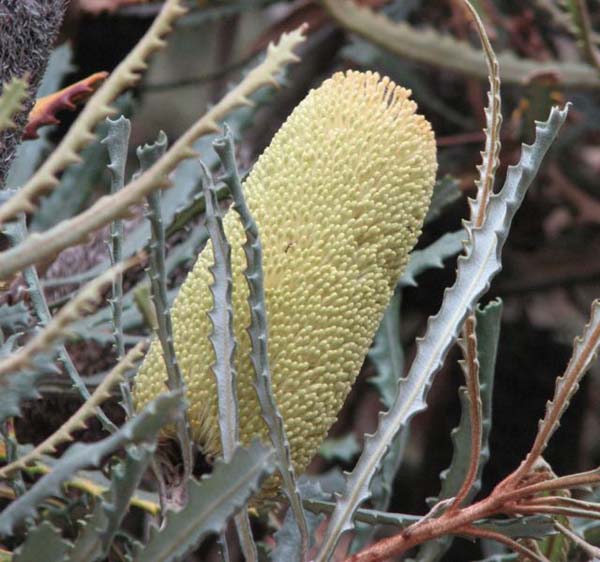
(339, 198)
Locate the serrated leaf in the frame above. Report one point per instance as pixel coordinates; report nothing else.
(585, 351)
(258, 332)
(221, 317)
(278, 57)
(100, 528)
(142, 428)
(287, 538)
(488, 328)
(78, 182)
(488, 332)
(475, 270)
(43, 542)
(432, 256)
(211, 503)
(493, 122)
(149, 156)
(117, 147)
(46, 108)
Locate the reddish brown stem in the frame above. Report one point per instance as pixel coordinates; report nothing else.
(473, 389)
(526, 509)
(562, 483)
(564, 502)
(425, 530)
(503, 539)
(502, 500)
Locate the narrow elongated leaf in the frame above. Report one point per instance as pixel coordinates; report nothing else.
(142, 428)
(488, 327)
(488, 332)
(287, 537)
(258, 332)
(150, 155)
(210, 504)
(117, 145)
(221, 317)
(585, 351)
(43, 542)
(222, 340)
(475, 270)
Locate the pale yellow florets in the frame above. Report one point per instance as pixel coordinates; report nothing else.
(339, 198)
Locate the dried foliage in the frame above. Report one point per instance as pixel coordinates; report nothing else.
(45, 109)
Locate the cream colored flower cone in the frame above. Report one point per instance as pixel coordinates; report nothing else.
(339, 197)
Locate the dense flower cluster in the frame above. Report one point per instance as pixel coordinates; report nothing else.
(339, 197)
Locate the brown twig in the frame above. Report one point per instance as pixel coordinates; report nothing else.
(579, 541)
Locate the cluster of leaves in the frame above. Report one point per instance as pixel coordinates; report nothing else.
(41, 492)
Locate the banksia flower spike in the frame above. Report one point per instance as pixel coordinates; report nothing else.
(339, 197)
